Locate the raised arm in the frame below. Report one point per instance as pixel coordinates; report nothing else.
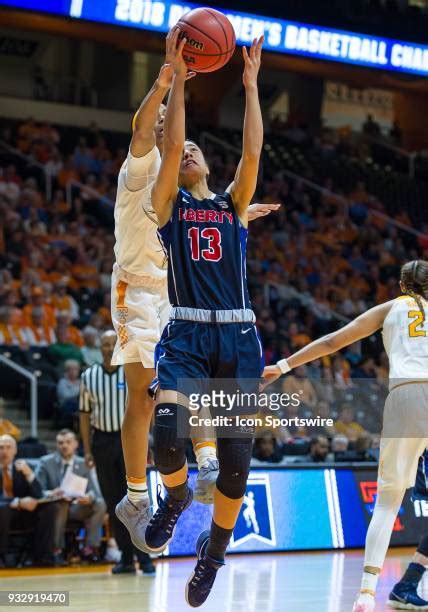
(143, 124)
(363, 326)
(166, 185)
(244, 184)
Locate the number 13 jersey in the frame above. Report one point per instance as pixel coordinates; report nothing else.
(405, 336)
(206, 242)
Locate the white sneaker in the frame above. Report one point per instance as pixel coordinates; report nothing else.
(364, 603)
(113, 555)
(135, 517)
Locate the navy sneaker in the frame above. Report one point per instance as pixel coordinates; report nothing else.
(404, 596)
(201, 581)
(161, 527)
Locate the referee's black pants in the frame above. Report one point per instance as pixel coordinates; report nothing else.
(108, 455)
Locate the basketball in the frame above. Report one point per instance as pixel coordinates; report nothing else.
(210, 39)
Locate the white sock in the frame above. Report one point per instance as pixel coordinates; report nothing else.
(137, 489)
(368, 586)
(204, 453)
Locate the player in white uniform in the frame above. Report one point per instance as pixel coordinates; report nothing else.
(139, 304)
(405, 422)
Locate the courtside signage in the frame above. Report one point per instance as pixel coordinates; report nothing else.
(281, 36)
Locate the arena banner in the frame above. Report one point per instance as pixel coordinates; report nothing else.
(281, 36)
(296, 508)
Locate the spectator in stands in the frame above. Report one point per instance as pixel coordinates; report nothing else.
(347, 425)
(89, 508)
(67, 173)
(366, 369)
(395, 134)
(339, 443)
(55, 164)
(371, 127)
(38, 302)
(63, 349)
(19, 508)
(6, 426)
(91, 351)
(298, 383)
(10, 184)
(322, 409)
(318, 451)
(39, 332)
(265, 449)
(11, 334)
(68, 389)
(63, 302)
(105, 310)
(85, 272)
(74, 335)
(59, 205)
(11, 300)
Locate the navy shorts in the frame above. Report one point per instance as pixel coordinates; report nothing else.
(200, 351)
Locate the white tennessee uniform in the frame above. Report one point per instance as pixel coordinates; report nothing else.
(405, 337)
(405, 421)
(139, 292)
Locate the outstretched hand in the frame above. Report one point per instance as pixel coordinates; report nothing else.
(174, 60)
(255, 211)
(252, 61)
(270, 375)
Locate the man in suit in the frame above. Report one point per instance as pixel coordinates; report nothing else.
(89, 507)
(20, 492)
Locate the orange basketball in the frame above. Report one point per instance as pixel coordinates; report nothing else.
(210, 39)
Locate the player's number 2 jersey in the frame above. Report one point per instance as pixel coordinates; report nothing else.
(206, 247)
(405, 335)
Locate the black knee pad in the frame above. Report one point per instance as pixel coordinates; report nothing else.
(169, 437)
(423, 545)
(234, 456)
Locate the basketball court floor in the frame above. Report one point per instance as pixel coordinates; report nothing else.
(289, 582)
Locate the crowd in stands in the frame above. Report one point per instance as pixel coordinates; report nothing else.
(43, 520)
(316, 263)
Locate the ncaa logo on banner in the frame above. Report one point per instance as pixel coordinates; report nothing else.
(255, 520)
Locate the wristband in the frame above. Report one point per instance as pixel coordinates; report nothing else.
(283, 366)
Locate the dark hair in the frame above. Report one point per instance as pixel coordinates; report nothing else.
(316, 439)
(414, 276)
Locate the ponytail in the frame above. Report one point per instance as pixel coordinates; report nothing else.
(414, 276)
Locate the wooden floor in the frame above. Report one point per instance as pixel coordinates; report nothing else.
(304, 582)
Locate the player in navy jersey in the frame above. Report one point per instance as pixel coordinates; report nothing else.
(211, 333)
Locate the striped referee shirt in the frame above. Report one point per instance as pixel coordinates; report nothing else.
(103, 395)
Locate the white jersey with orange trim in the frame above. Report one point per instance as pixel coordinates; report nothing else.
(139, 293)
(405, 337)
(139, 256)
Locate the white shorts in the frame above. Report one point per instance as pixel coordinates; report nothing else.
(139, 315)
(404, 435)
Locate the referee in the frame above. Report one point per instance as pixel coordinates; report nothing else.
(102, 406)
